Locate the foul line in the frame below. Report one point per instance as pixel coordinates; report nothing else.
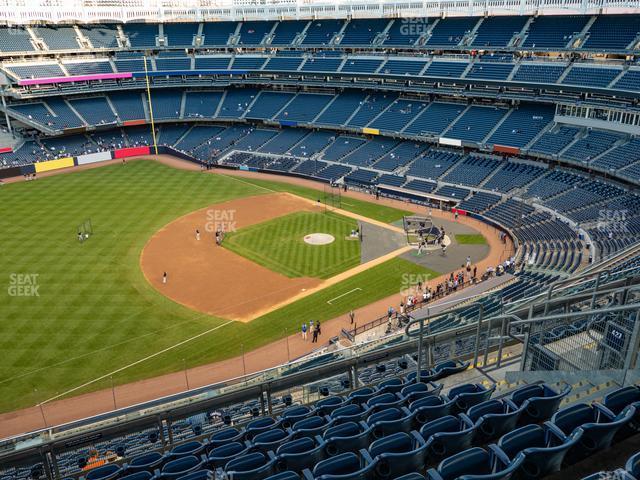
(137, 362)
(340, 296)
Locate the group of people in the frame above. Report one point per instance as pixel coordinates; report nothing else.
(314, 329)
(219, 236)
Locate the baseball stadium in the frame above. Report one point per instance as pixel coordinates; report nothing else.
(319, 240)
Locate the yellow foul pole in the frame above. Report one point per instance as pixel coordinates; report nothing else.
(153, 127)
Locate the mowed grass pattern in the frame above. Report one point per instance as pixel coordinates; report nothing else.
(95, 312)
(279, 244)
(470, 239)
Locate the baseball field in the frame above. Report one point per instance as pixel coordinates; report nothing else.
(79, 316)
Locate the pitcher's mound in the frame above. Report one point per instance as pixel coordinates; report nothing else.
(319, 239)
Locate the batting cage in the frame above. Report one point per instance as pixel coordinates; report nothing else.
(420, 229)
(332, 197)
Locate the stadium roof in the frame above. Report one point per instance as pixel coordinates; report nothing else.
(95, 11)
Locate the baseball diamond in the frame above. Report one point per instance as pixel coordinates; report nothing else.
(318, 240)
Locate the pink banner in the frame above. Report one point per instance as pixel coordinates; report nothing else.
(74, 78)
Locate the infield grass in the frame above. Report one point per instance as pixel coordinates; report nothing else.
(470, 239)
(279, 244)
(95, 313)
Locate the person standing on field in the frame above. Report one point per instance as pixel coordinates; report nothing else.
(164, 277)
(352, 316)
(304, 332)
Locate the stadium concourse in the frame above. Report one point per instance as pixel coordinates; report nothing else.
(511, 350)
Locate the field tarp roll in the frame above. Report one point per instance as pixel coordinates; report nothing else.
(54, 164)
(94, 157)
(131, 152)
(10, 172)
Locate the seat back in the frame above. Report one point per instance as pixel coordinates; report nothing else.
(346, 466)
(220, 456)
(328, 405)
(472, 395)
(106, 472)
(299, 454)
(142, 475)
(181, 466)
(617, 400)
(398, 454)
(540, 462)
(348, 437)
(390, 420)
(251, 466)
(539, 408)
(147, 462)
(224, 436)
(471, 461)
(494, 418)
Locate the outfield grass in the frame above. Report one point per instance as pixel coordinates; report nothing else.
(372, 210)
(279, 245)
(470, 239)
(95, 312)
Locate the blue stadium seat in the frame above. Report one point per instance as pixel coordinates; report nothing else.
(448, 435)
(143, 475)
(469, 394)
(538, 402)
(492, 419)
(346, 466)
(621, 399)
(270, 440)
(299, 454)
(391, 420)
(398, 454)
(180, 467)
(310, 427)
(253, 466)
(538, 450)
(199, 475)
(147, 462)
(106, 472)
(219, 456)
(286, 475)
(189, 448)
(431, 407)
(347, 437)
(417, 390)
(597, 425)
(224, 436)
(473, 464)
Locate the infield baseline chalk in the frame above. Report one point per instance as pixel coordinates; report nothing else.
(340, 296)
